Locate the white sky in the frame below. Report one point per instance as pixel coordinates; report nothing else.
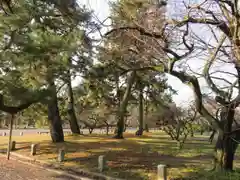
(101, 10)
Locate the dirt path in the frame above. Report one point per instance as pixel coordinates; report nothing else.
(14, 170)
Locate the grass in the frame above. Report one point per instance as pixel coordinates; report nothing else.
(134, 158)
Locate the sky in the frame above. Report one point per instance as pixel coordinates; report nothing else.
(101, 11)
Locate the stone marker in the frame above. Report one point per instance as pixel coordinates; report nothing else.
(161, 172)
(101, 163)
(21, 133)
(61, 155)
(4, 134)
(33, 149)
(13, 145)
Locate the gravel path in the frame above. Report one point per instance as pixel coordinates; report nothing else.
(14, 170)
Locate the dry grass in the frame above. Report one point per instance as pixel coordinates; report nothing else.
(131, 158)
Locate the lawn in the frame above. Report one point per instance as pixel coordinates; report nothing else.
(134, 158)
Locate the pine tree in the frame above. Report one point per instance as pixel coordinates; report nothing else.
(126, 49)
(37, 43)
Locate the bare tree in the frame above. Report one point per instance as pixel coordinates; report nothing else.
(222, 23)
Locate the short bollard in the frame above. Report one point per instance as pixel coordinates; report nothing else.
(33, 149)
(101, 163)
(161, 172)
(13, 145)
(4, 134)
(21, 133)
(61, 155)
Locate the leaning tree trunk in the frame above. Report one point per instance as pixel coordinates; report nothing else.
(123, 107)
(71, 111)
(140, 118)
(54, 118)
(225, 147)
(10, 136)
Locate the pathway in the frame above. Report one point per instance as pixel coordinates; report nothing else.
(15, 170)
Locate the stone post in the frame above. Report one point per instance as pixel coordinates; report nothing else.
(61, 155)
(21, 133)
(161, 172)
(13, 145)
(4, 134)
(33, 149)
(101, 163)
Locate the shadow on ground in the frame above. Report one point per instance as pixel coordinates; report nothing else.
(131, 158)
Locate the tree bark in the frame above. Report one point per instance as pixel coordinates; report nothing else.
(227, 141)
(54, 118)
(10, 136)
(71, 110)
(123, 107)
(225, 147)
(140, 118)
(146, 115)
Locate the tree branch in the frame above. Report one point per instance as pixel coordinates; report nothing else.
(207, 68)
(12, 109)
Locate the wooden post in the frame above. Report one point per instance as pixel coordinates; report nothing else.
(161, 172)
(10, 137)
(101, 163)
(33, 149)
(61, 155)
(13, 145)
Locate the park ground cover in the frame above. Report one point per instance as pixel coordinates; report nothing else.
(134, 158)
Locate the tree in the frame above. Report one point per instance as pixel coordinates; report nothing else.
(183, 36)
(179, 126)
(120, 51)
(46, 42)
(70, 109)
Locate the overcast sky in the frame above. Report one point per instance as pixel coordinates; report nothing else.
(101, 10)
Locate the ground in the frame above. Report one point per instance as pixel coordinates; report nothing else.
(133, 158)
(14, 170)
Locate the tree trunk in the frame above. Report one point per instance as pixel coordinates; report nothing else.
(212, 136)
(90, 130)
(107, 129)
(228, 142)
(123, 107)
(71, 110)
(140, 118)
(225, 147)
(54, 118)
(146, 115)
(146, 127)
(10, 136)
